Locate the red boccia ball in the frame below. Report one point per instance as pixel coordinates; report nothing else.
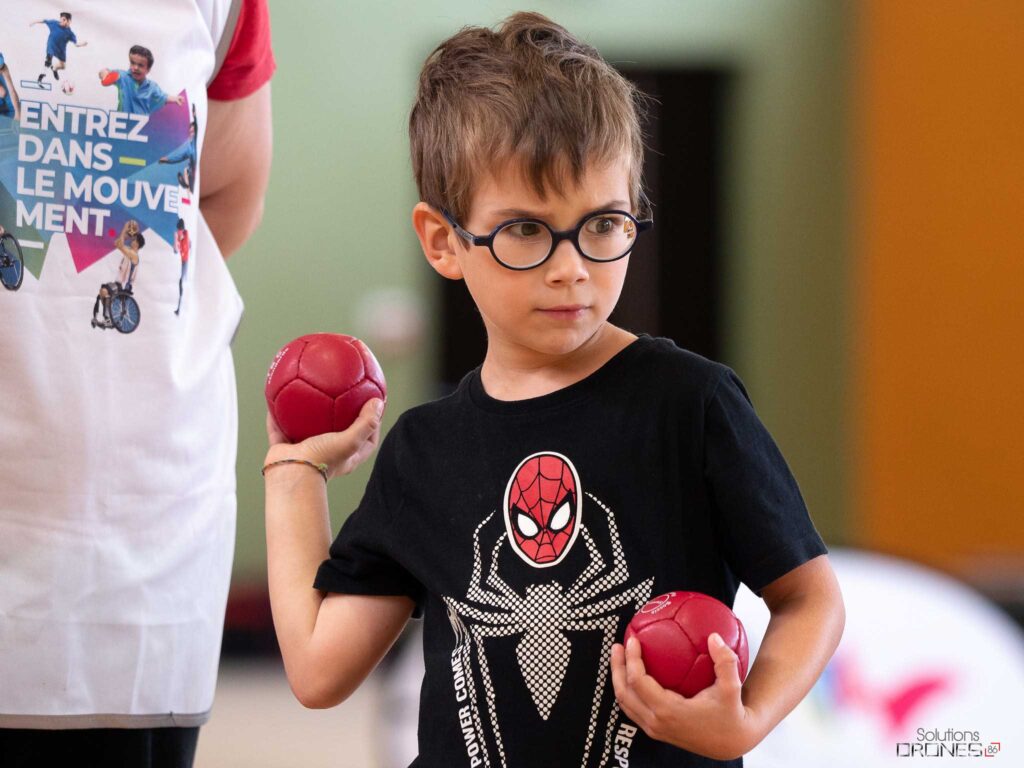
(319, 382)
(673, 631)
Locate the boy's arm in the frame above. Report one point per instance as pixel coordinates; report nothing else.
(329, 643)
(728, 720)
(175, 158)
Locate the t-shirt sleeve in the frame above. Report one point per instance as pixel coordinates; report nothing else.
(363, 556)
(157, 98)
(73, 37)
(249, 62)
(761, 519)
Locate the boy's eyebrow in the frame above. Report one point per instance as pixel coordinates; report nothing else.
(523, 213)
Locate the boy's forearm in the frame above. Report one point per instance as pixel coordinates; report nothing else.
(298, 540)
(802, 635)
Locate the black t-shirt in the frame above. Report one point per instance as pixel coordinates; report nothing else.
(530, 532)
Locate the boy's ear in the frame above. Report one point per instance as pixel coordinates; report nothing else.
(437, 240)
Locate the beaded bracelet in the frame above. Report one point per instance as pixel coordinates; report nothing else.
(321, 468)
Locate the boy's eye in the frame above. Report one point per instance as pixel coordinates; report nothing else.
(603, 225)
(524, 229)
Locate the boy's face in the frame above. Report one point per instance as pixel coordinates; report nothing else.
(557, 307)
(138, 66)
(65, 22)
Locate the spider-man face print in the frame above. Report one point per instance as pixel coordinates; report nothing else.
(542, 508)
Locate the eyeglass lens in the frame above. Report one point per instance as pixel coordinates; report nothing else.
(603, 237)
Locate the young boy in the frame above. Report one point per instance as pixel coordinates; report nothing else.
(575, 474)
(57, 43)
(136, 93)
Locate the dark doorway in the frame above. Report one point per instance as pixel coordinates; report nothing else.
(674, 283)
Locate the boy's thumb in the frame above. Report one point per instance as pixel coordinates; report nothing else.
(369, 416)
(725, 659)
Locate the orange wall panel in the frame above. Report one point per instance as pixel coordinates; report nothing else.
(938, 414)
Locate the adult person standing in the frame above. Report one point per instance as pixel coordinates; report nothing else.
(117, 452)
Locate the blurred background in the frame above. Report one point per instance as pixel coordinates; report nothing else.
(838, 192)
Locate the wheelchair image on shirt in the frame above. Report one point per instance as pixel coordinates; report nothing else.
(12, 263)
(120, 309)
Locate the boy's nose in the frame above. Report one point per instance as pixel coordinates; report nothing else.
(566, 265)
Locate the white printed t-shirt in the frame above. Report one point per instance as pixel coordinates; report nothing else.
(118, 417)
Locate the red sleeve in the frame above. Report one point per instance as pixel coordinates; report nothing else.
(250, 60)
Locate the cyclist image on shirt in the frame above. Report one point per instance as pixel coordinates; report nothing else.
(10, 104)
(181, 247)
(120, 309)
(136, 94)
(12, 263)
(57, 43)
(187, 154)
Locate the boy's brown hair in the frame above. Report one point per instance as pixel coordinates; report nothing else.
(528, 92)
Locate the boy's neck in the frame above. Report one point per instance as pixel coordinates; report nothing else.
(516, 374)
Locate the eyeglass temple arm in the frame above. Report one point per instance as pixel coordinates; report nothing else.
(467, 236)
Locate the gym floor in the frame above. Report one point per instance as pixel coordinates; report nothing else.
(257, 723)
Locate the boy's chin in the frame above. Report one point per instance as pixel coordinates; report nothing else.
(561, 342)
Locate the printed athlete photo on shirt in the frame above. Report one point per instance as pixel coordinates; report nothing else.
(10, 103)
(182, 244)
(12, 262)
(120, 309)
(105, 178)
(186, 154)
(580, 595)
(136, 93)
(60, 34)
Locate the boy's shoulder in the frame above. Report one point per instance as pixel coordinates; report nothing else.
(429, 414)
(680, 365)
(644, 368)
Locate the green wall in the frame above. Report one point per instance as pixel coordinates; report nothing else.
(338, 207)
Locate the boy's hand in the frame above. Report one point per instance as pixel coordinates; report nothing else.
(714, 723)
(342, 452)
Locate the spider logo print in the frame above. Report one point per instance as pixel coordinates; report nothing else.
(548, 620)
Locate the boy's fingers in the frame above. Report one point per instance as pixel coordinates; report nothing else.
(274, 433)
(727, 670)
(363, 428)
(353, 445)
(648, 690)
(628, 700)
(635, 668)
(368, 420)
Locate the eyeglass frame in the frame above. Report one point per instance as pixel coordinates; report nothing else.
(572, 235)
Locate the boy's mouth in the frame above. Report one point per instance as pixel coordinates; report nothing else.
(565, 311)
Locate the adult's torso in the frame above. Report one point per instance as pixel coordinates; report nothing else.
(118, 443)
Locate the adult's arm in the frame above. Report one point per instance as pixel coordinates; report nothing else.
(235, 167)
